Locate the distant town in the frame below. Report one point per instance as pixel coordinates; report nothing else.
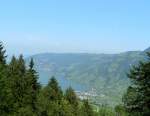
(86, 94)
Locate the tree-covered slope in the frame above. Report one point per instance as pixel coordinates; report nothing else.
(106, 73)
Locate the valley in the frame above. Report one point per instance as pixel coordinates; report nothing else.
(105, 73)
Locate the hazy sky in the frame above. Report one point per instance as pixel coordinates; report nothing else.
(101, 26)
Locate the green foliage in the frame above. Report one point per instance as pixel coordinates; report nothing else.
(137, 98)
(3, 77)
(18, 87)
(51, 101)
(86, 109)
(2, 54)
(17, 83)
(32, 85)
(71, 97)
(50, 98)
(104, 72)
(106, 111)
(22, 95)
(24, 111)
(53, 90)
(120, 110)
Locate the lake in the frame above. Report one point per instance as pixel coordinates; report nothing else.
(63, 82)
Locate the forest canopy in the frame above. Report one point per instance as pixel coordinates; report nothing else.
(22, 95)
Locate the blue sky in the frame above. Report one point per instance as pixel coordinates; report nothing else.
(94, 26)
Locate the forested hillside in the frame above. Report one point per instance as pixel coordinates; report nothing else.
(105, 73)
(22, 95)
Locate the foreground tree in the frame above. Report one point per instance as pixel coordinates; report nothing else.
(21, 94)
(50, 99)
(4, 107)
(137, 98)
(54, 91)
(2, 54)
(16, 86)
(71, 97)
(120, 110)
(22, 86)
(33, 87)
(86, 109)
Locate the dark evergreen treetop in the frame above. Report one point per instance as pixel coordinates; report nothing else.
(71, 96)
(2, 54)
(87, 109)
(21, 65)
(21, 94)
(137, 98)
(55, 92)
(31, 65)
(4, 107)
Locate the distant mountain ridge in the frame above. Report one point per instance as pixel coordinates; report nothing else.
(147, 50)
(104, 72)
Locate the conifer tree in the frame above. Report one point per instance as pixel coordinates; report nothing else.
(21, 66)
(50, 99)
(17, 86)
(2, 54)
(32, 85)
(55, 92)
(3, 79)
(137, 98)
(71, 97)
(86, 109)
(21, 95)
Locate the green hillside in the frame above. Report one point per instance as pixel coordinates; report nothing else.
(105, 73)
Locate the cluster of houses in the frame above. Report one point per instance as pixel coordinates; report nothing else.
(86, 94)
